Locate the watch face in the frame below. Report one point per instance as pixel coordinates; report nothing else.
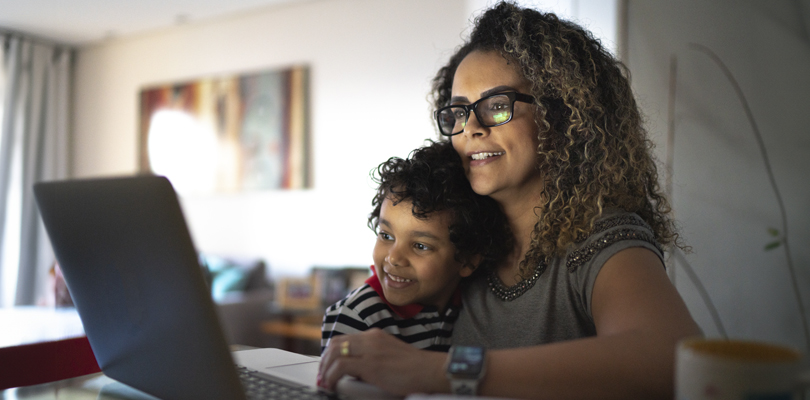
(465, 360)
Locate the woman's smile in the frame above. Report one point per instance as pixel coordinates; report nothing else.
(479, 159)
(484, 155)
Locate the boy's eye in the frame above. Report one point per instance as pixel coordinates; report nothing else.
(420, 246)
(385, 236)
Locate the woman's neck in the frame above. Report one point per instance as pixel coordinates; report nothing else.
(522, 217)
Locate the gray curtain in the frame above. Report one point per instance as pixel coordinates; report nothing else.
(33, 147)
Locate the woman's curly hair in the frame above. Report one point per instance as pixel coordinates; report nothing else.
(433, 180)
(593, 151)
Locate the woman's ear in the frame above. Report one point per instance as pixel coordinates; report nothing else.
(470, 266)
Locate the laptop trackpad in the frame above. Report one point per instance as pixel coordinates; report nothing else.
(289, 366)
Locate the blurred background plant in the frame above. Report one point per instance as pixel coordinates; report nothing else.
(779, 236)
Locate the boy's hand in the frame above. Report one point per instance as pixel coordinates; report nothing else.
(383, 360)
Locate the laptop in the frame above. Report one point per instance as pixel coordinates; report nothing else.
(134, 275)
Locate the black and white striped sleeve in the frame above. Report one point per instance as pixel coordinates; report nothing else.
(344, 317)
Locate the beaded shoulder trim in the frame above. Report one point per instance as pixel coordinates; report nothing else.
(583, 255)
(509, 293)
(612, 222)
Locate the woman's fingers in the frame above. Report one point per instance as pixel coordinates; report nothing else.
(382, 360)
(339, 368)
(342, 350)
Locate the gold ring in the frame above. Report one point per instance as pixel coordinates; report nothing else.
(344, 349)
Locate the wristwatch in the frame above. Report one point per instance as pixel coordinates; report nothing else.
(465, 368)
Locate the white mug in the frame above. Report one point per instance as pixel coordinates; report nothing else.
(719, 369)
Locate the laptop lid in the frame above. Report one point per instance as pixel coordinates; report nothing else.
(134, 275)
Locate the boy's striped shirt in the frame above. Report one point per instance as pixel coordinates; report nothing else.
(365, 308)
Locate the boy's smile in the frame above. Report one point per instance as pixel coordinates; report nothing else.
(397, 281)
(414, 258)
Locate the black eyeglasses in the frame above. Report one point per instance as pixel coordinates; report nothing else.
(493, 110)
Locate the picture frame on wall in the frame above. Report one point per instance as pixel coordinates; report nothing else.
(235, 133)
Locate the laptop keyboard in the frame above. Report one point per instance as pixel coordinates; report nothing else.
(258, 387)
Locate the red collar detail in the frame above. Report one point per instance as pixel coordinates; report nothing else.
(408, 310)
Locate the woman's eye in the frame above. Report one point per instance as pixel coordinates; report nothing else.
(498, 106)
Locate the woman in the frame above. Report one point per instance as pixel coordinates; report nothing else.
(545, 123)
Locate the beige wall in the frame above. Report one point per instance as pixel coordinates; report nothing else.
(370, 68)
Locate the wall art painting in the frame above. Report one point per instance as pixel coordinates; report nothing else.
(229, 134)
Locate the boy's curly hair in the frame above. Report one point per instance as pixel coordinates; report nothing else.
(433, 180)
(593, 151)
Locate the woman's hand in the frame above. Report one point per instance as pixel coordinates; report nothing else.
(383, 360)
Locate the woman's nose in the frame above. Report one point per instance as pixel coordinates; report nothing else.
(473, 127)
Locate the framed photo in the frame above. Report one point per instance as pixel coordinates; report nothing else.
(229, 134)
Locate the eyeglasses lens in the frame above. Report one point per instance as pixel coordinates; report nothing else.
(491, 111)
(495, 110)
(452, 120)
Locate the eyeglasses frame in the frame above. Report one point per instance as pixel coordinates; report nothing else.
(471, 108)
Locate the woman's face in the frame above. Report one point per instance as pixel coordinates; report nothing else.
(499, 161)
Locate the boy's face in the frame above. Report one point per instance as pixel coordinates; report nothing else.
(414, 258)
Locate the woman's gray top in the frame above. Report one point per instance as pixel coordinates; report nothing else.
(554, 305)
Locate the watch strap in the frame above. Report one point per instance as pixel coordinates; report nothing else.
(464, 387)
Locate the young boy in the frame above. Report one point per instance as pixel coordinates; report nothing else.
(432, 231)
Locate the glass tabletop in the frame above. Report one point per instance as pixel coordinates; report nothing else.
(87, 387)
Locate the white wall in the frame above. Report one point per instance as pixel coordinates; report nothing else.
(370, 68)
(722, 196)
(598, 16)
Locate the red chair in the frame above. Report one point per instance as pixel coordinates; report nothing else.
(36, 363)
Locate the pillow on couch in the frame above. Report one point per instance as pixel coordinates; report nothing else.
(228, 276)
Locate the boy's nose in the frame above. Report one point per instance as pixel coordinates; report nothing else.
(394, 257)
(391, 261)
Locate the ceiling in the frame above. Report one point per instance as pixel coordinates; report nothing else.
(79, 22)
